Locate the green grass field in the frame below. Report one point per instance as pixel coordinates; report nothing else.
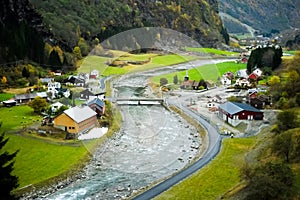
(206, 72)
(5, 96)
(38, 161)
(99, 63)
(17, 117)
(212, 51)
(219, 176)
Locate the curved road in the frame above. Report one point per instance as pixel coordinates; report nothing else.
(213, 149)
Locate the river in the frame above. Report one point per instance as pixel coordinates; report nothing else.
(152, 144)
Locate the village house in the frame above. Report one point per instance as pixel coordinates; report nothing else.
(242, 73)
(56, 106)
(76, 120)
(261, 101)
(215, 101)
(54, 88)
(97, 105)
(225, 80)
(94, 74)
(234, 113)
(86, 94)
(27, 97)
(243, 82)
(75, 81)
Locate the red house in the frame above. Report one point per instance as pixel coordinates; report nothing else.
(233, 113)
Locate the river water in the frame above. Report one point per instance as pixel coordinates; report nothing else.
(152, 144)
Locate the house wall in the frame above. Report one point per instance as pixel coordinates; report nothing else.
(66, 123)
(87, 124)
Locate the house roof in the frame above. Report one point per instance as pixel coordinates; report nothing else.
(25, 96)
(79, 114)
(57, 104)
(96, 101)
(87, 92)
(234, 107)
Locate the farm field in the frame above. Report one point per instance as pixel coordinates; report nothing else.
(207, 72)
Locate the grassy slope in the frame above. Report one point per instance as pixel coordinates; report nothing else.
(206, 72)
(218, 177)
(99, 63)
(37, 160)
(17, 117)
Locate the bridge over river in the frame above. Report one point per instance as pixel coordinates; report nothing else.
(139, 101)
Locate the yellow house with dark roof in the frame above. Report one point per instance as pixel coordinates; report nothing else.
(76, 120)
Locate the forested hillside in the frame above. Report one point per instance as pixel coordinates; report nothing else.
(69, 20)
(266, 16)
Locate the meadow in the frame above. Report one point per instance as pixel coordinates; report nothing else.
(207, 72)
(218, 177)
(212, 51)
(100, 63)
(38, 159)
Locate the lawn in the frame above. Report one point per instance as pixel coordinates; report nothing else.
(206, 72)
(17, 117)
(5, 96)
(38, 161)
(219, 176)
(212, 51)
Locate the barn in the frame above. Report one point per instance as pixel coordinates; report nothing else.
(234, 113)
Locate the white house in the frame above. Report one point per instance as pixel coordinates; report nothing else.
(242, 73)
(56, 106)
(243, 82)
(257, 72)
(53, 88)
(225, 80)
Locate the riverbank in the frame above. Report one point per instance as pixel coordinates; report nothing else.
(76, 172)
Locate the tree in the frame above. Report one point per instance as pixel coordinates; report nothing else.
(271, 181)
(38, 104)
(25, 72)
(287, 120)
(175, 79)
(8, 182)
(274, 80)
(163, 81)
(77, 52)
(283, 145)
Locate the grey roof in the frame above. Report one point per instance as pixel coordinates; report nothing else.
(79, 114)
(234, 107)
(25, 96)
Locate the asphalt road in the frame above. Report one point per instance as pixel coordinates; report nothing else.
(213, 149)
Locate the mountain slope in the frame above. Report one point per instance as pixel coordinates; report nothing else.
(71, 19)
(266, 16)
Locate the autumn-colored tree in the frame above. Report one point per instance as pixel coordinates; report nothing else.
(38, 104)
(77, 52)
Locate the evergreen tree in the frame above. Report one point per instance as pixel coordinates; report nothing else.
(8, 182)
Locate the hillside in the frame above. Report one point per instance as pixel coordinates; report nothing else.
(265, 16)
(69, 20)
